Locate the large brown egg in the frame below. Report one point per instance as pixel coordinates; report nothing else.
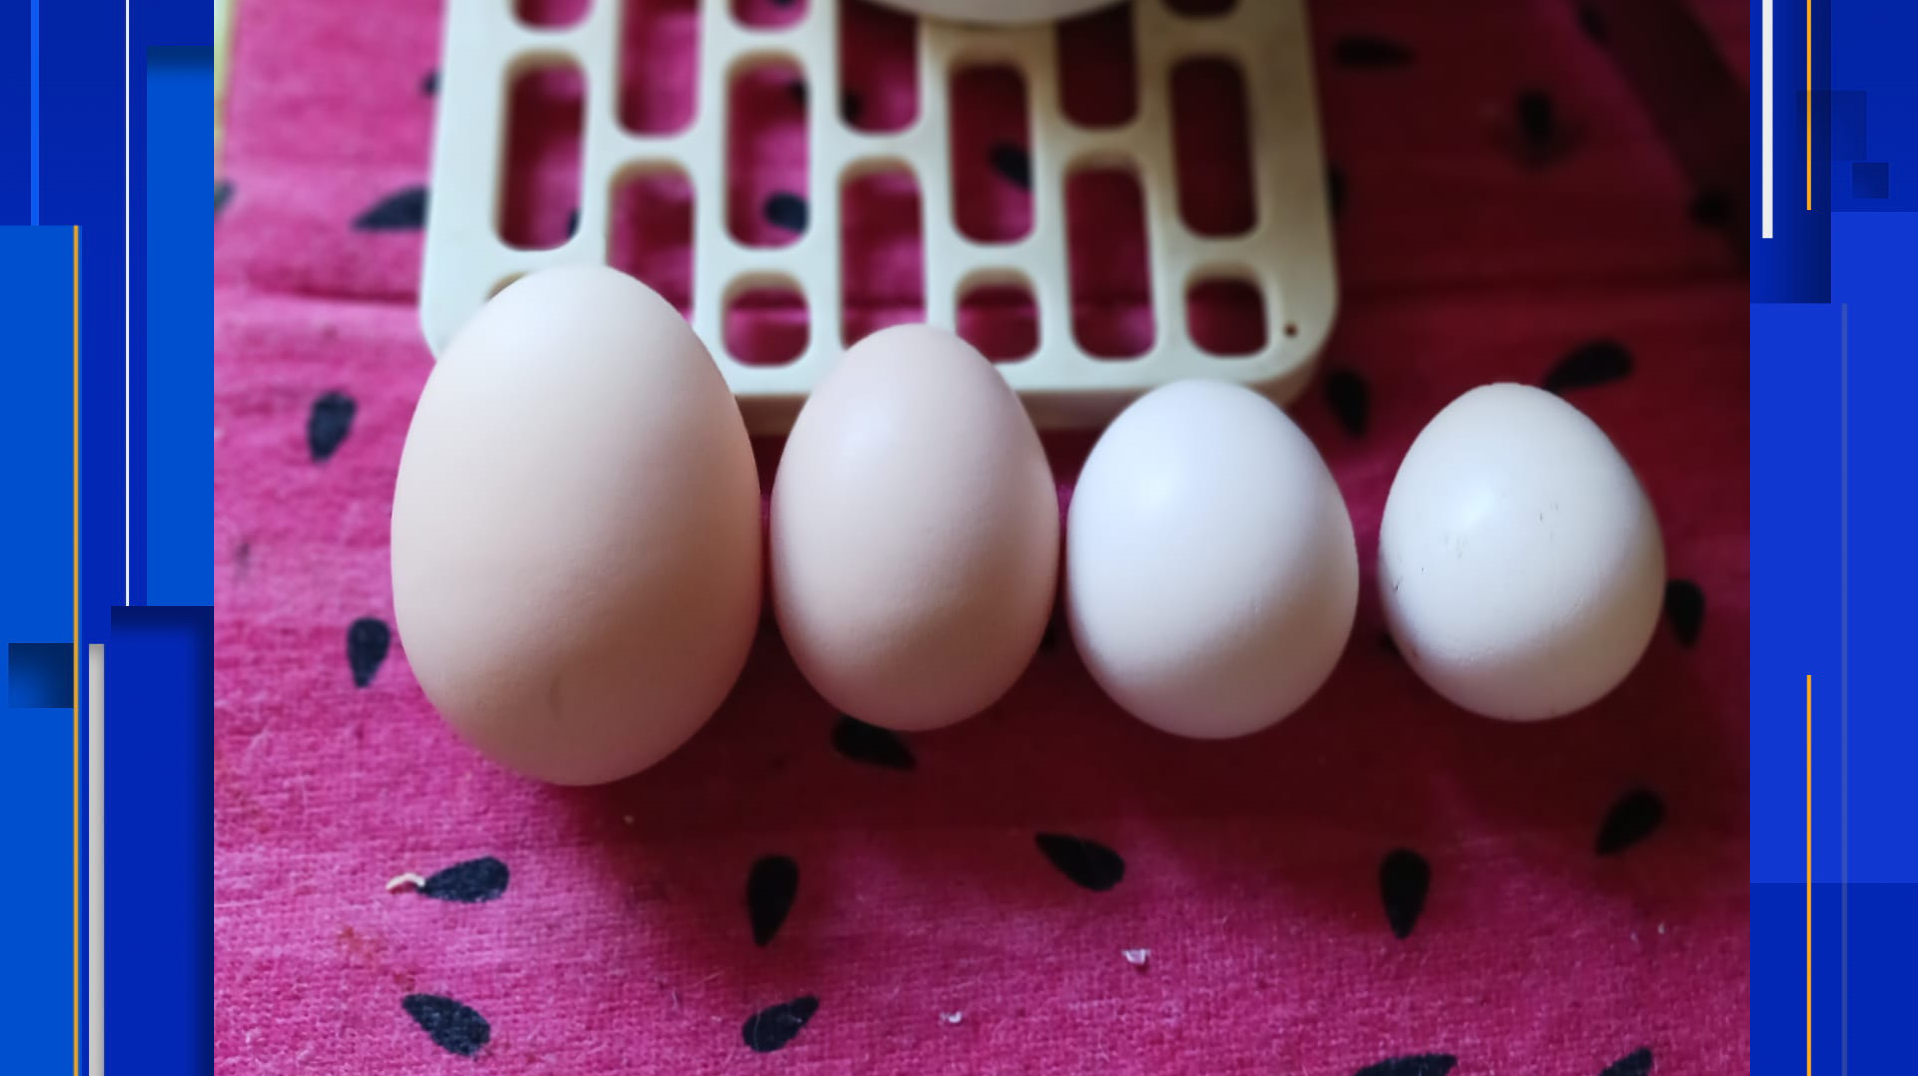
(576, 544)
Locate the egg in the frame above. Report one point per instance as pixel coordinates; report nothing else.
(1520, 563)
(914, 532)
(576, 544)
(1211, 573)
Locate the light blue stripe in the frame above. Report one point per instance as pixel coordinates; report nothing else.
(179, 333)
(33, 115)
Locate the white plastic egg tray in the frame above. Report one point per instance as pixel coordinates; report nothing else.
(1286, 254)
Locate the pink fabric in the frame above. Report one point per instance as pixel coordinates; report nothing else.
(931, 930)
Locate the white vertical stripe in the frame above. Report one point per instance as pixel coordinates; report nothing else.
(96, 858)
(1764, 121)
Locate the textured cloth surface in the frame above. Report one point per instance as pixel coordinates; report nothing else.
(1379, 878)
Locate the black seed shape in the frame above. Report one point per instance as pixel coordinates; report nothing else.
(1363, 51)
(770, 889)
(851, 106)
(1592, 22)
(1089, 864)
(871, 744)
(1389, 644)
(1350, 400)
(1632, 819)
(1636, 1063)
(475, 881)
(403, 210)
(796, 89)
(1595, 362)
(1711, 208)
(1413, 1065)
(1335, 189)
(453, 1026)
(771, 1028)
(572, 223)
(222, 194)
(1404, 879)
(366, 643)
(1685, 608)
(787, 210)
(1013, 163)
(430, 85)
(1537, 116)
(328, 424)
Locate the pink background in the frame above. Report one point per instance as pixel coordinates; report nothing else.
(1469, 252)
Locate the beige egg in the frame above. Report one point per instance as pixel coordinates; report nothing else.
(576, 546)
(1521, 565)
(914, 533)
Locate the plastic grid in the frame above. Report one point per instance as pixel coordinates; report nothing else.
(1286, 254)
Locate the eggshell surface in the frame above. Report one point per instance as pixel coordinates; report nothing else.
(1520, 563)
(914, 532)
(576, 546)
(1211, 572)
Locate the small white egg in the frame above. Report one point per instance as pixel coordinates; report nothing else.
(1520, 564)
(1211, 573)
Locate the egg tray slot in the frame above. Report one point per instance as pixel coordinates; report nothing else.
(1285, 255)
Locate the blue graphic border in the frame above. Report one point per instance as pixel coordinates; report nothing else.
(1834, 863)
(78, 106)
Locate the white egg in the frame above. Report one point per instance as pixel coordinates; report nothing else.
(1520, 564)
(1211, 574)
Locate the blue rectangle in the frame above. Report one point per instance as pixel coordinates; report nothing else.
(1795, 579)
(1873, 280)
(1852, 829)
(16, 116)
(1796, 989)
(1870, 179)
(1847, 109)
(172, 24)
(36, 833)
(1859, 990)
(1794, 265)
(179, 329)
(159, 867)
(40, 676)
(36, 440)
(83, 98)
(1876, 989)
(1871, 46)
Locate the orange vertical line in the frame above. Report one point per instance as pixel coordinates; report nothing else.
(76, 651)
(1808, 118)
